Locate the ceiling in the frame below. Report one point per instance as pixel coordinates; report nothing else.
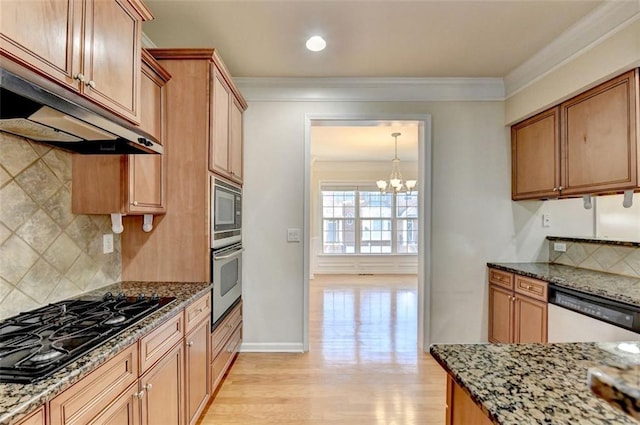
(366, 38)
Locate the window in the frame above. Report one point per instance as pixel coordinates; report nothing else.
(379, 223)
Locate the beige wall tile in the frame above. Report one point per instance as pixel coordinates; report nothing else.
(38, 181)
(40, 281)
(4, 176)
(15, 153)
(4, 233)
(607, 256)
(60, 163)
(39, 231)
(62, 253)
(16, 302)
(59, 207)
(17, 206)
(16, 258)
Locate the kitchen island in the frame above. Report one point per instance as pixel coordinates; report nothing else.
(517, 384)
(17, 400)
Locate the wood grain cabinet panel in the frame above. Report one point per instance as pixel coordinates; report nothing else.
(197, 386)
(236, 163)
(517, 314)
(161, 390)
(155, 345)
(127, 184)
(599, 135)
(125, 410)
(535, 156)
(225, 328)
(586, 145)
(86, 399)
(198, 311)
(36, 418)
(461, 409)
(219, 144)
(89, 46)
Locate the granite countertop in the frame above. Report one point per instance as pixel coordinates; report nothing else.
(607, 285)
(517, 384)
(17, 400)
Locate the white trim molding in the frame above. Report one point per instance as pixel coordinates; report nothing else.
(147, 43)
(605, 21)
(370, 89)
(271, 347)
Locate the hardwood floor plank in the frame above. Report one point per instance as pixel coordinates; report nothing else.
(363, 366)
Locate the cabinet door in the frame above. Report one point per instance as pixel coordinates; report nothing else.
(535, 156)
(125, 410)
(197, 370)
(219, 133)
(599, 137)
(163, 399)
(112, 44)
(530, 323)
(146, 188)
(54, 47)
(235, 142)
(500, 315)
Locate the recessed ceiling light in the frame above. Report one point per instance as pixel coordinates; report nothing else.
(316, 43)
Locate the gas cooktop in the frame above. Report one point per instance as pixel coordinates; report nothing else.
(35, 344)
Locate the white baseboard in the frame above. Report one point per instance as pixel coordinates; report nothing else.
(271, 347)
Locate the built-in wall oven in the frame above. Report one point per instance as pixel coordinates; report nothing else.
(226, 248)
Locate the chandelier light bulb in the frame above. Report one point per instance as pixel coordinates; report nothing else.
(316, 43)
(396, 183)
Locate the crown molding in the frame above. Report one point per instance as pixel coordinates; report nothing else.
(370, 89)
(602, 23)
(147, 43)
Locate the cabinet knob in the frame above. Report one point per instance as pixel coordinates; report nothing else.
(139, 394)
(190, 344)
(148, 387)
(529, 287)
(555, 189)
(79, 77)
(200, 310)
(91, 84)
(560, 188)
(135, 203)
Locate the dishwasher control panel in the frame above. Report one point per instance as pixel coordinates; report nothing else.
(616, 315)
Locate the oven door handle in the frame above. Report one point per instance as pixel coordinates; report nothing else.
(224, 257)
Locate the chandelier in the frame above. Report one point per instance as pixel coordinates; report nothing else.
(396, 183)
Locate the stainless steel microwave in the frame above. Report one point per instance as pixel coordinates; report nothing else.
(225, 214)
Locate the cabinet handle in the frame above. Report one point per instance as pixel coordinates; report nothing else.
(91, 84)
(200, 310)
(135, 203)
(561, 188)
(529, 287)
(555, 189)
(148, 387)
(190, 344)
(139, 394)
(79, 77)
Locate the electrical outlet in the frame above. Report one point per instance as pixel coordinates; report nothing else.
(559, 247)
(546, 220)
(107, 243)
(293, 235)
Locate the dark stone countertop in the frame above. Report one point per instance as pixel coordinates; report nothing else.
(601, 241)
(518, 384)
(607, 285)
(17, 400)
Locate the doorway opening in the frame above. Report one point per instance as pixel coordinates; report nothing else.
(356, 232)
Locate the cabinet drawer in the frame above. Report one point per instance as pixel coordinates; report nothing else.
(35, 418)
(224, 329)
(499, 277)
(154, 345)
(89, 396)
(197, 312)
(531, 288)
(223, 360)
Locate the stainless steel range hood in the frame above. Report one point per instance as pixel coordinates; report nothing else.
(37, 114)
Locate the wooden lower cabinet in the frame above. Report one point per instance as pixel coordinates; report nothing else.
(197, 347)
(36, 418)
(125, 410)
(461, 409)
(225, 343)
(517, 308)
(161, 390)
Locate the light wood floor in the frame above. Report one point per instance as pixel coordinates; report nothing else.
(363, 366)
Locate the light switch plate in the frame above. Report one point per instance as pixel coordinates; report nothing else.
(293, 235)
(559, 247)
(107, 243)
(546, 220)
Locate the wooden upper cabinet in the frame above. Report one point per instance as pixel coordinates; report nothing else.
(54, 48)
(586, 145)
(599, 134)
(219, 143)
(128, 184)
(89, 46)
(535, 156)
(225, 146)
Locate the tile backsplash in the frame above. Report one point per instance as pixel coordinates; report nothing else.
(47, 253)
(603, 256)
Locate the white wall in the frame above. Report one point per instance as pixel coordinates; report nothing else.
(474, 219)
(615, 222)
(364, 172)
